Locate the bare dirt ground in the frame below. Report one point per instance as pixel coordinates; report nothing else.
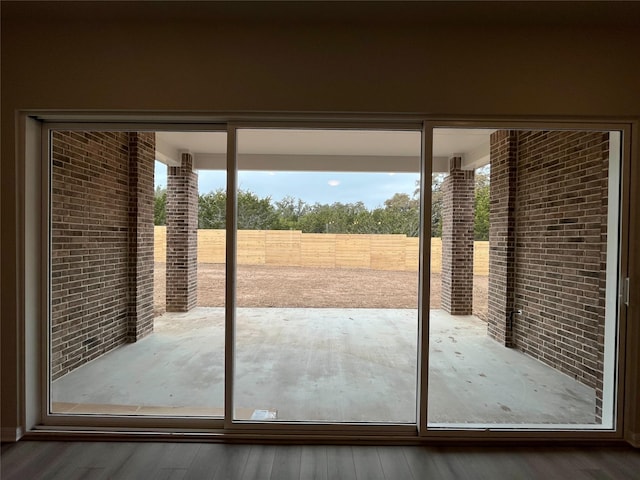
(292, 287)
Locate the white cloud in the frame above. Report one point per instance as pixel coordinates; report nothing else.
(334, 183)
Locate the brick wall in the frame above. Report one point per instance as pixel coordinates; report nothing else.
(93, 242)
(182, 237)
(502, 235)
(560, 244)
(142, 152)
(457, 240)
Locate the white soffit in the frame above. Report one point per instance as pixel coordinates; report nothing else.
(472, 144)
(325, 150)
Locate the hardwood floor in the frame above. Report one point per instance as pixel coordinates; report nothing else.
(31, 460)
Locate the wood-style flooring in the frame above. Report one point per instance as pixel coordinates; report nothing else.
(31, 460)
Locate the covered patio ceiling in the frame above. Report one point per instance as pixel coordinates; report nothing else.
(326, 150)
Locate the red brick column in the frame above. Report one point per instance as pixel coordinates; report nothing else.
(141, 189)
(182, 237)
(457, 240)
(502, 236)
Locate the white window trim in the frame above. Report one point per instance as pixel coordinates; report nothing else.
(35, 297)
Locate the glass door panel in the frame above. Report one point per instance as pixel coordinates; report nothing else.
(327, 275)
(524, 333)
(136, 289)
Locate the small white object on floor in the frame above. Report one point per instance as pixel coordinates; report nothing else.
(264, 415)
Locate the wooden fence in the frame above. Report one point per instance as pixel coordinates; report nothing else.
(329, 250)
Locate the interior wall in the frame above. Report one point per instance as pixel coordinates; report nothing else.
(144, 57)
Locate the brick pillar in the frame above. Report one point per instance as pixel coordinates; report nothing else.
(457, 240)
(182, 236)
(502, 238)
(142, 152)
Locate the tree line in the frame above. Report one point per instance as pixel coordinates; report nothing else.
(399, 214)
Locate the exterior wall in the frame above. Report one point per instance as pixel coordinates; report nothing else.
(457, 240)
(502, 235)
(182, 237)
(560, 251)
(96, 245)
(142, 151)
(548, 246)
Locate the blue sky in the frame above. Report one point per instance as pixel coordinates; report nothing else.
(322, 187)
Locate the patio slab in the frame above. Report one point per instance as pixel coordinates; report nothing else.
(325, 364)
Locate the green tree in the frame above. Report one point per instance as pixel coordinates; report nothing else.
(336, 218)
(437, 204)
(160, 206)
(401, 214)
(212, 209)
(254, 213)
(482, 204)
(289, 211)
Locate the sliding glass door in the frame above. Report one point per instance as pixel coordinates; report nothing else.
(528, 223)
(405, 279)
(136, 287)
(326, 264)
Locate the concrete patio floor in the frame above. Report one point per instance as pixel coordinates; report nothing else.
(324, 364)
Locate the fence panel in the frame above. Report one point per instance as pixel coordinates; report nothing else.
(353, 251)
(318, 250)
(283, 247)
(411, 253)
(481, 258)
(211, 246)
(388, 252)
(436, 255)
(160, 243)
(294, 248)
(252, 247)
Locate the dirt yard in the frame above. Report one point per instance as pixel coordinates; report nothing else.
(268, 286)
